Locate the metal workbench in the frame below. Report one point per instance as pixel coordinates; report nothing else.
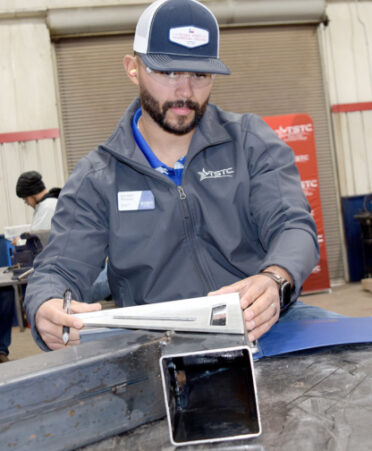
(88, 395)
(313, 400)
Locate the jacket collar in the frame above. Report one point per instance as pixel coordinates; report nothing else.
(210, 132)
(122, 145)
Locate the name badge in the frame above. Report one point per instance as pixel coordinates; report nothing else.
(135, 200)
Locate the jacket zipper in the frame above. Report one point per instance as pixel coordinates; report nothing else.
(181, 192)
(189, 235)
(187, 222)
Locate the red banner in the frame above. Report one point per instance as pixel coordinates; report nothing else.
(297, 130)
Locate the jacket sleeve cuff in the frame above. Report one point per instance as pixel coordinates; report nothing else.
(297, 252)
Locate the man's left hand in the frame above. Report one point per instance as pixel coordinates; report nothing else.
(259, 299)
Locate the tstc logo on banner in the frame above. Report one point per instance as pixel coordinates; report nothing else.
(310, 187)
(300, 132)
(297, 130)
(302, 158)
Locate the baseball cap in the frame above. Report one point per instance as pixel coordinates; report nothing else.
(179, 36)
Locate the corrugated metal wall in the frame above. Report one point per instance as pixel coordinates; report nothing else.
(94, 90)
(347, 48)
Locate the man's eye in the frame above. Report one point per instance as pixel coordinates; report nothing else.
(200, 76)
(169, 74)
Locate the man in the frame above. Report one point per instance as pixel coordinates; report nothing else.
(184, 198)
(30, 187)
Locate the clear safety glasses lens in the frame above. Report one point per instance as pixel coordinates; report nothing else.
(197, 80)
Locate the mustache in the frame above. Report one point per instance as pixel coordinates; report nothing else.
(180, 104)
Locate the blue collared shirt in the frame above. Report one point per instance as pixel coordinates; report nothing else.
(175, 173)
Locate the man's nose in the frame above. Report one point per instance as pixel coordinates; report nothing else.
(184, 87)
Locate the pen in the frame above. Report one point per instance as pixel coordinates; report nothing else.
(25, 274)
(66, 308)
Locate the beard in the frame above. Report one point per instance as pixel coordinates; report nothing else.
(158, 113)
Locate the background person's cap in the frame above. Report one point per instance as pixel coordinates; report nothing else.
(29, 183)
(179, 36)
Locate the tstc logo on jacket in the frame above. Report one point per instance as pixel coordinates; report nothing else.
(228, 172)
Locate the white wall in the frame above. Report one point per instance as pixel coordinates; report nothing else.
(27, 78)
(28, 103)
(347, 46)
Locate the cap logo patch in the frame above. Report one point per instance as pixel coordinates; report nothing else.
(190, 37)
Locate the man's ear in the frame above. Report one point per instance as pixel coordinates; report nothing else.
(131, 68)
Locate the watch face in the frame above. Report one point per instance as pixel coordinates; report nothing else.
(285, 294)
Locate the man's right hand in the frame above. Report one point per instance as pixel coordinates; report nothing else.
(50, 319)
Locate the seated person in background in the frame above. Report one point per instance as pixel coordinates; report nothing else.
(31, 188)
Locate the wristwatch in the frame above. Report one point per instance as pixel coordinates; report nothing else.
(285, 288)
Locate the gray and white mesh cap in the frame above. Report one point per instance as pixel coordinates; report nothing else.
(180, 36)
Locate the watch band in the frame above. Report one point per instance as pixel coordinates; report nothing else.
(275, 277)
(284, 287)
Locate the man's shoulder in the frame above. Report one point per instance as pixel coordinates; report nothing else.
(249, 124)
(93, 162)
(245, 120)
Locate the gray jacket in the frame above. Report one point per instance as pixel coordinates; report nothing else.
(240, 209)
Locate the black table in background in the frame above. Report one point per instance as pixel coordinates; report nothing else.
(6, 280)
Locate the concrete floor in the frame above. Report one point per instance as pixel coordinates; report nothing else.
(349, 299)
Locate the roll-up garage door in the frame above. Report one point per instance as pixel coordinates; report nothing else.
(275, 70)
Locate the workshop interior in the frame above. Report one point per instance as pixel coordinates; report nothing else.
(175, 370)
